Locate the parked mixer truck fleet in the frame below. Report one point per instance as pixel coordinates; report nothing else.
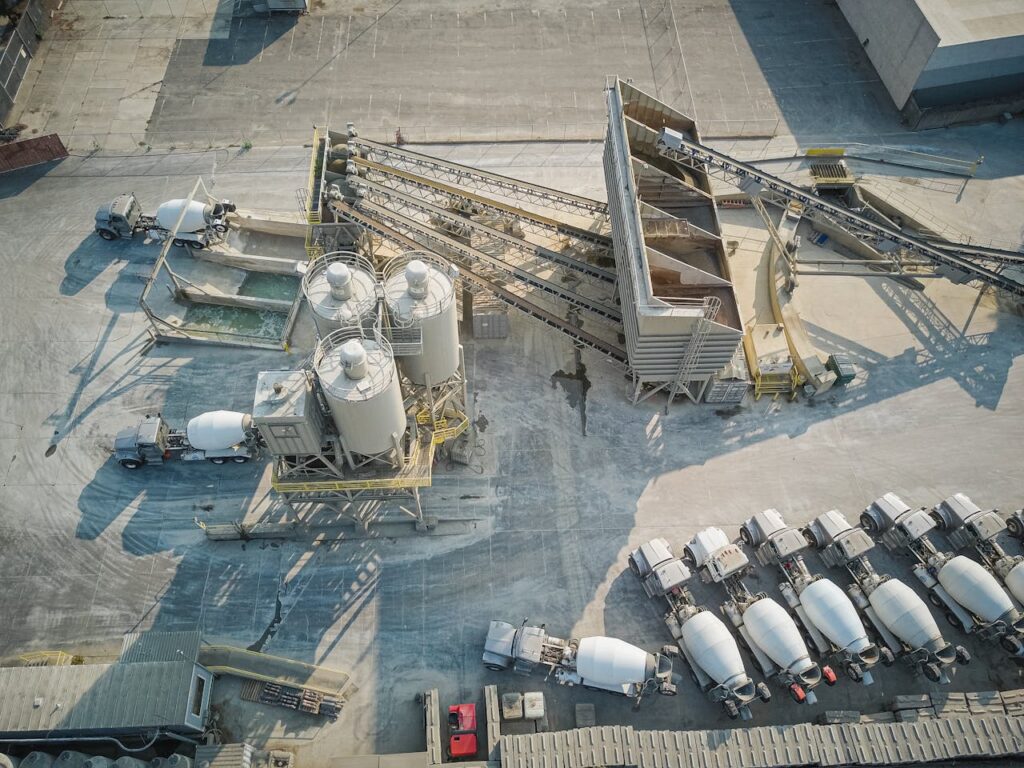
(875, 621)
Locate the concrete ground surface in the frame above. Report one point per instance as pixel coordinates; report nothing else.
(571, 478)
(118, 74)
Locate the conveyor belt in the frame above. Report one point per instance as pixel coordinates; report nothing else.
(984, 252)
(579, 336)
(519, 190)
(393, 199)
(473, 255)
(754, 181)
(535, 221)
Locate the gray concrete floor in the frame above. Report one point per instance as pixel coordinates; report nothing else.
(569, 483)
(119, 74)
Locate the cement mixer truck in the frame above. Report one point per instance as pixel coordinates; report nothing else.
(702, 638)
(596, 663)
(767, 631)
(202, 224)
(215, 436)
(969, 595)
(898, 615)
(967, 525)
(829, 618)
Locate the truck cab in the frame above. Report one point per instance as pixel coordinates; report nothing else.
(142, 444)
(119, 218)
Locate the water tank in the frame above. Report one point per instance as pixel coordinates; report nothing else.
(341, 289)
(99, 762)
(713, 648)
(179, 761)
(832, 612)
(217, 430)
(359, 380)
(975, 589)
(419, 289)
(195, 219)
(130, 762)
(610, 661)
(903, 611)
(774, 632)
(9, 761)
(37, 760)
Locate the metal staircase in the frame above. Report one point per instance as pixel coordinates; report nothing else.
(688, 363)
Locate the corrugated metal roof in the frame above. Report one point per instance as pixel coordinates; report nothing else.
(950, 738)
(224, 756)
(50, 701)
(160, 646)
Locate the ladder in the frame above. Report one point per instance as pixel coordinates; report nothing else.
(692, 353)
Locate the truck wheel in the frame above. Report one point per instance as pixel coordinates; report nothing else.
(239, 459)
(178, 242)
(963, 657)
(688, 557)
(106, 234)
(854, 672)
(935, 600)
(1011, 645)
(1013, 525)
(764, 693)
(220, 228)
(130, 463)
(953, 620)
(932, 672)
(218, 460)
(748, 539)
(868, 523)
(494, 667)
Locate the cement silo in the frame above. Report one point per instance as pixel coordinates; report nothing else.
(419, 289)
(341, 289)
(359, 380)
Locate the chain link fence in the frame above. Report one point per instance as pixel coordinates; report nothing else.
(16, 51)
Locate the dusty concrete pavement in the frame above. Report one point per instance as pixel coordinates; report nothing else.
(120, 74)
(91, 552)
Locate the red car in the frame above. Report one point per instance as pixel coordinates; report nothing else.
(462, 731)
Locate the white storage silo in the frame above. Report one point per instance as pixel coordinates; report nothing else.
(341, 289)
(419, 289)
(359, 381)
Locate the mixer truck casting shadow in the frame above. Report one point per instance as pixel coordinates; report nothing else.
(596, 663)
(767, 631)
(969, 595)
(830, 621)
(216, 436)
(710, 650)
(900, 618)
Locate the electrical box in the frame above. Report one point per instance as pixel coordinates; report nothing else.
(286, 412)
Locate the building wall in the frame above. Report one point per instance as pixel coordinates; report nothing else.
(900, 41)
(986, 69)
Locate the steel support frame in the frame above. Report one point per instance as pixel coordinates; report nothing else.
(440, 195)
(773, 190)
(487, 182)
(385, 231)
(411, 208)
